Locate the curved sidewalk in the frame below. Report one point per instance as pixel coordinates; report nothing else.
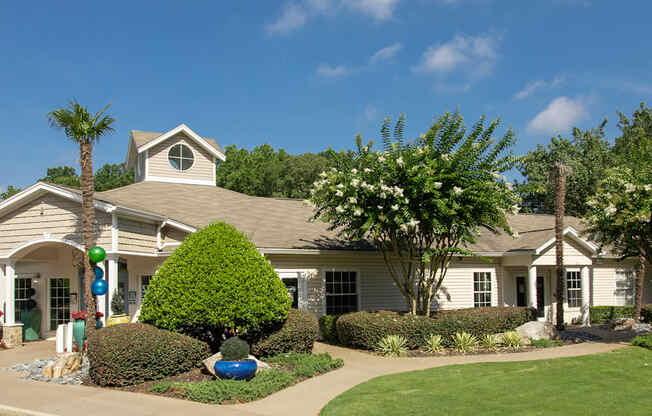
(20, 396)
(310, 396)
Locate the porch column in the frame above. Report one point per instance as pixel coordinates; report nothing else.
(9, 292)
(112, 279)
(532, 287)
(586, 295)
(101, 300)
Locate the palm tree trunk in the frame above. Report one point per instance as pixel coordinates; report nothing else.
(638, 295)
(560, 197)
(88, 229)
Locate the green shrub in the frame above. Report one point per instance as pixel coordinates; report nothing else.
(122, 355)
(328, 328)
(234, 349)
(215, 280)
(605, 314)
(306, 365)
(296, 367)
(392, 346)
(298, 333)
(512, 339)
(464, 342)
(434, 344)
(366, 329)
(490, 341)
(644, 341)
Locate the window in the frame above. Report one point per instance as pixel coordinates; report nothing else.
(181, 157)
(341, 292)
(574, 284)
(144, 282)
(23, 292)
(59, 302)
(624, 294)
(481, 289)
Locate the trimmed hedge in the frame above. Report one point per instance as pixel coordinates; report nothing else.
(215, 281)
(297, 334)
(366, 329)
(328, 328)
(605, 314)
(127, 354)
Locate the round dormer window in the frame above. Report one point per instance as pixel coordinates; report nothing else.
(181, 157)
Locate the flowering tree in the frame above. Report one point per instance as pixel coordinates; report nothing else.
(421, 203)
(619, 216)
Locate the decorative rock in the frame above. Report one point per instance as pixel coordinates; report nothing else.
(47, 371)
(642, 329)
(537, 330)
(620, 324)
(209, 363)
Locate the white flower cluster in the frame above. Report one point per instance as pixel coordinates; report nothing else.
(610, 210)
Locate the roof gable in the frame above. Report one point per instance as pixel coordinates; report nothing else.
(144, 141)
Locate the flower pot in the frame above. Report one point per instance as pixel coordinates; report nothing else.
(118, 319)
(79, 332)
(98, 323)
(236, 370)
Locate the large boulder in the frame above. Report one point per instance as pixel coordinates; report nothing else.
(538, 330)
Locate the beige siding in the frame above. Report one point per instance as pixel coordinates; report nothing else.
(376, 287)
(173, 235)
(52, 214)
(604, 282)
(573, 255)
(136, 236)
(158, 164)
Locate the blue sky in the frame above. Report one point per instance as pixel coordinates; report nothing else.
(307, 74)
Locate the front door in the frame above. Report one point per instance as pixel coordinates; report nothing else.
(59, 301)
(521, 294)
(292, 286)
(541, 308)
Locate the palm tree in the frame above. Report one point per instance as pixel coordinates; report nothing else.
(560, 170)
(85, 128)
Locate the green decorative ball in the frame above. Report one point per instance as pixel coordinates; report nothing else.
(97, 254)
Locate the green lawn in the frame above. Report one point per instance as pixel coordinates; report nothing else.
(618, 382)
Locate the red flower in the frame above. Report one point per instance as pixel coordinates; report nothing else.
(99, 314)
(79, 315)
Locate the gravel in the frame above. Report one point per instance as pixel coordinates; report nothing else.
(34, 371)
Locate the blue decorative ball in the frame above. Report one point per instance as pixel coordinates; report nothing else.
(99, 287)
(99, 273)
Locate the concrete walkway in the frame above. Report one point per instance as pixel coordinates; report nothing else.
(306, 398)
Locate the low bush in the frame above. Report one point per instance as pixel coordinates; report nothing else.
(512, 339)
(392, 346)
(366, 329)
(606, 314)
(294, 367)
(234, 349)
(298, 334)
(490, 341)
(644, 341)
(434, 344)
(464, 342)
(127, 354)
(328, 328)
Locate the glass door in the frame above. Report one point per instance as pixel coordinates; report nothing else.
(59, 299)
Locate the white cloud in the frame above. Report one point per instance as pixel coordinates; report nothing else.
(293, 17)
(295, 14)
(328, 71)
(560, 115)
(477, 53)
(388, 52)
(531, 87)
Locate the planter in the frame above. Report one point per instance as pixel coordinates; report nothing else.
(236, 370)
(98, 323)
(79, 332)
(118, 319)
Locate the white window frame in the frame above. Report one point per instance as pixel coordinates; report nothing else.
(358, 291)
(49, 302)
(302, 283)
(577, 277)
(181, 157)
(630, 274)
(483, 273)
(21, 291)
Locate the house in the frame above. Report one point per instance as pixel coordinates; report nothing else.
(140, 225)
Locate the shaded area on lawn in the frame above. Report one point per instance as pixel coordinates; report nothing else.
(610, 383)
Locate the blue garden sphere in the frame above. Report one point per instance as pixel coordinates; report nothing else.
(99, 273)
(99, 287)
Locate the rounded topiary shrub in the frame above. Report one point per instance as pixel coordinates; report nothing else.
(298, 333)
(127, 354)
(234, 349)
(215, 280)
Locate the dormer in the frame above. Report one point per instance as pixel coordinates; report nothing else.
(178, 156)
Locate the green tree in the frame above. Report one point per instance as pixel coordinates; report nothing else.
(421, 203)
(587, 153)
(111, 176)
(10, 191)
(85, 128)
(62, 175)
